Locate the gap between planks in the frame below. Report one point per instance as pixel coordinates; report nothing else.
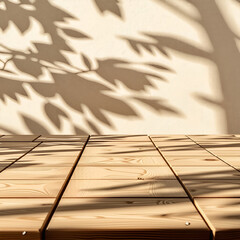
(185, 189)
(59, 196)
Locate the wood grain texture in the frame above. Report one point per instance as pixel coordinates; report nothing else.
(170, 138)
(232, 160)
(207, 173)
(124, 188)
(41, 161)
(222, 214)
(16, 146)
(19, 215)
(121, 151)
(61, 138)
(178, 144)
(13, 152)
(61, 145)
(131, 173)
(213, 188)
(187, 153)
(219, 143)
(126, 218)
(221, 153)
(51, 155)
(219, 138)
(29, 172)
(30, 189)
(118, 144)
(122, 161)
(195, 161)
(18, 138)
(123, 138)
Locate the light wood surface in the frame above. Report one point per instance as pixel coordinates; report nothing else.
(11, 152)
(121, 151)
(222, 214)
(52, 154)
(213, 188)
(62, 138)
(17, 146)
(127, 218)
(187, 153)
(219, 138)
(21, 214)
(221, 154)
(195, 161)
(232, 160)
(122, 161)
(170, 138)
(61, 145)
(178, 144)
(18, 138)
(124, 188)
(124, 138)
(120, 144)
(30, 188)
(121, 188)
(127, 173)
(41, 161)
(219, 144)
(29, 172)
(207, 173)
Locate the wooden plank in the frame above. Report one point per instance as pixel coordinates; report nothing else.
(232, 160)
(219, 138)
(15, 146)
(123, 138)
(51, 155)
(57, 149)
(23, 215)
(124, 188)
(62, 145)
(170, 138)
(224, 149)
(12, 151)
(213, 188)
(195, 161)
(131, 173)
(176, 145)
(61, 138)
(176, 153)
(43, 186)
(222, 214)
(118, 144)
(29, 189)
(213, 144)
(121, 151)
(207, 173)
(40, 161)
(122, 161)
(29, 172)
(18, 138)
(220, 153)
(167, 136)
(127, 218)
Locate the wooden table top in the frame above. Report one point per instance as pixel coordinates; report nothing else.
(61, 187)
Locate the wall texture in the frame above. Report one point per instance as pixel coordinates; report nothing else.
(119, 66)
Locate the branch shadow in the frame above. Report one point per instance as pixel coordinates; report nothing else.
(225, 54)
(68, 81)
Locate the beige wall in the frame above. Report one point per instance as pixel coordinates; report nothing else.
(126, 66)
